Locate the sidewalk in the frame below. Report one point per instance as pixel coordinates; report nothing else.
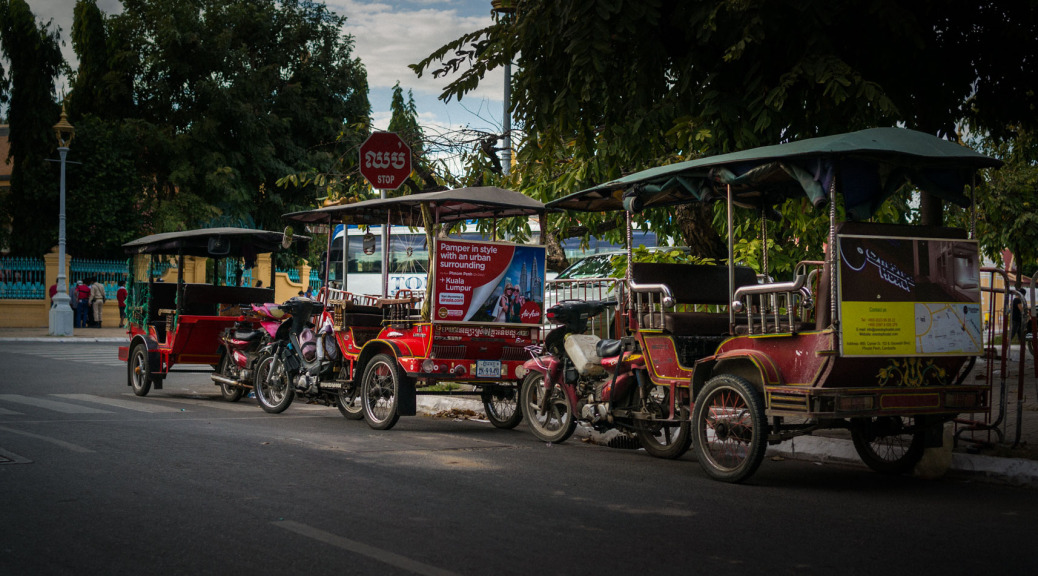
(981, 456)
(105, 334)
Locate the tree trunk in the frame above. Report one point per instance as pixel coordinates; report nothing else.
(931, 210)
(697, 230)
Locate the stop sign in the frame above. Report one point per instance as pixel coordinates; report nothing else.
(385, 161)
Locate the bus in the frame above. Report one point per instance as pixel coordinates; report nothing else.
(409, 255)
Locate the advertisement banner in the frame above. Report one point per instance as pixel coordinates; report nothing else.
(489, 282)
(909, 296)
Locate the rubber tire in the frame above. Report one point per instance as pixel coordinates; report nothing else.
(900, 452)
(269, 403)
(229, 393)
(137, 370)
(354, 411)
(503, 394)
(528, 396)
(739, 394)
(647, 433)
(380, 392)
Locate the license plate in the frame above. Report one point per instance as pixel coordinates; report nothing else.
(488, 368)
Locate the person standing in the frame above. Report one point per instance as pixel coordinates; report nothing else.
(82, 304)
(97, 301)
(73, 301)
(1018, 327)
(120, 299)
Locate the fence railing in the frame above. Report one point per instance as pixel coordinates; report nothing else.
(22, 278)
(107, 272)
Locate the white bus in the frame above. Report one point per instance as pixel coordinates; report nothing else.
(409, 256)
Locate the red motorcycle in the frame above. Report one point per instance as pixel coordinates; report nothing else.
(241, 346)
(602, 383)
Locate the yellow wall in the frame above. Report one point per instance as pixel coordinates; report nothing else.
(36, 313)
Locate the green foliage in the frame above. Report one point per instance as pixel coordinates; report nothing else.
(31, 206)
(605, 88)
(1007, 201)
(235, 96)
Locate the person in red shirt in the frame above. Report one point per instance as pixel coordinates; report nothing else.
(83, 307)
(120, 299)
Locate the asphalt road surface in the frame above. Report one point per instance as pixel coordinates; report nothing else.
(94, 480)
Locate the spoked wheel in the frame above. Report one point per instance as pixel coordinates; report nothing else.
(380, 395)
(659, 439)
(137, 370)
(274, 390)
(553, 423)
(349, 402)
(885, 444)
(229, 392)
(501, 404)
(729, 432)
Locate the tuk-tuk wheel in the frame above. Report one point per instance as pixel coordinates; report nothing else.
(501, 404)
(729, 430)
(380, 394)
(885, 445)
(137, 371)
(349, 402)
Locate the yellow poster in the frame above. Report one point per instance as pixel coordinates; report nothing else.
(884, 328)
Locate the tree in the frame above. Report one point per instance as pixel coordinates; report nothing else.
(605, 88)
(1008, 202)
(34, 60)
(240, 93)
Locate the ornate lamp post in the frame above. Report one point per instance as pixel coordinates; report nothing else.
(60, 311)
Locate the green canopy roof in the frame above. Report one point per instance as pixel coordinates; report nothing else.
(868, 166)
(447, 205)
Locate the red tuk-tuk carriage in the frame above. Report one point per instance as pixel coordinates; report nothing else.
(879, 338)
(457, 331)
(182, 322)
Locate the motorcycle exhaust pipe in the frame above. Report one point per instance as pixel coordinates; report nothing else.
(221, 379)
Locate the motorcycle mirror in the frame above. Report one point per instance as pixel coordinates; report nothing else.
(286, 237)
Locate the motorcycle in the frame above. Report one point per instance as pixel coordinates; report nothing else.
(602, 383)
(241, 345)
(302, 361)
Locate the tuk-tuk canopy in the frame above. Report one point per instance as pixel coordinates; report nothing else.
(446, 205)
(210, 242)
(868, 166)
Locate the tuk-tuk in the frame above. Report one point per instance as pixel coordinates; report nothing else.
(879, 338)
(483, 305)
(182, 322)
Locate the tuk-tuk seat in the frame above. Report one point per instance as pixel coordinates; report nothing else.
(692, 284)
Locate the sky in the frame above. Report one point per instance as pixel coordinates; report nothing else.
(388, 35)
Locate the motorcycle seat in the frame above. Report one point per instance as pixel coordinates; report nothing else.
(608, 348)
(247, 335)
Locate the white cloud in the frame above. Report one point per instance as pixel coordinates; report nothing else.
(388, 37)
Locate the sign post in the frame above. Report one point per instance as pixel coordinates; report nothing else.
(385, 162)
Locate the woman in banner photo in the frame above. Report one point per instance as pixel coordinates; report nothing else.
(503, 305)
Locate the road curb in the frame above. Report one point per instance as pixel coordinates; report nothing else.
(64, 339)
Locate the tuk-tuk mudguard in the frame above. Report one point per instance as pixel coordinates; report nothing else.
(751, 365)
(407, 396)
(155, 360)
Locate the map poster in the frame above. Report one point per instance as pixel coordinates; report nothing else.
(909, 296)
(489, 283)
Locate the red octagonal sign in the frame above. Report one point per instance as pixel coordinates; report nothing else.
(385, 161)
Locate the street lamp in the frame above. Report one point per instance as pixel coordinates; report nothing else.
(505, 9)
(60, 311)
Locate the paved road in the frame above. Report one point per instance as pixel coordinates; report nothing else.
(98, 481)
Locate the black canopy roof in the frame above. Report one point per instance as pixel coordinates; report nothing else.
(446, 205)
(868, 166)
(226, 241)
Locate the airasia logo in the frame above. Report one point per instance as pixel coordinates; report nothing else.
(530, 313)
